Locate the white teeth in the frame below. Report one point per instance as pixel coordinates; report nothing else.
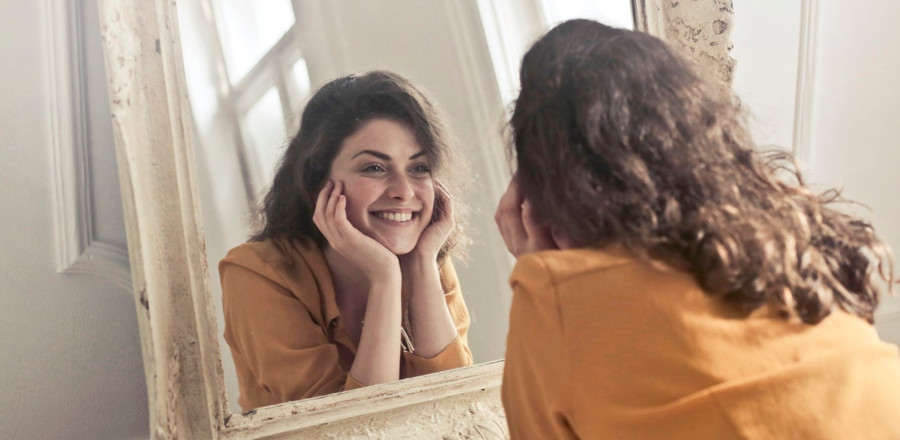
(395, 216)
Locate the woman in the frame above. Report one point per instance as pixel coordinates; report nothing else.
(348, 282)
(669, 284)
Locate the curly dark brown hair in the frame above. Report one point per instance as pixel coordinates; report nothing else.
(336, 111)
(619, 139)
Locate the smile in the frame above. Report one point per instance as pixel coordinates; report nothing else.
(395, 216)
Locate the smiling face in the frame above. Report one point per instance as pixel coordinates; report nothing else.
(388, 183)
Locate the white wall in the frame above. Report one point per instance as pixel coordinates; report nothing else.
(854, 100)
(766, 74)
(70, 359)
(857, 116)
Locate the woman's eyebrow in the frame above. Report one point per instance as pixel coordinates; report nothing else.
(377, 154)
(383, 156)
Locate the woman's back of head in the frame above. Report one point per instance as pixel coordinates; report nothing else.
(620, 139)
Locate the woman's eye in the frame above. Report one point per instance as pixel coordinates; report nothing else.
(421, 169)
(373, 168)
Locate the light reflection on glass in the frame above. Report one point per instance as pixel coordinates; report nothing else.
(248, 29)
(263, 128)
(301, 78)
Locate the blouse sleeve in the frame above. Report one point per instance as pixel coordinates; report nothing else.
(456, 354)
(536, 369)
(280, 352)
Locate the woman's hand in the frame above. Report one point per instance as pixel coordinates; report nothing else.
(520, 230)
(432, 327)
(436, 233)
(359, 249)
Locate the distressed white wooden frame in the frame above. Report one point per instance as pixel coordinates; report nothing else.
(151, 124)
(702, 28)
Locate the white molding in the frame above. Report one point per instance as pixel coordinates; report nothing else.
(78, 251)
(103, 260)
(67, 128)
(806, 67)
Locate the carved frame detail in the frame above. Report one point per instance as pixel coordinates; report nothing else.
(701, 27)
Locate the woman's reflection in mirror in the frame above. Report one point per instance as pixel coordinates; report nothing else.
(348, 281)
(672, 281)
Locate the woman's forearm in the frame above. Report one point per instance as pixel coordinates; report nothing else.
(378, 355)
(432, 327)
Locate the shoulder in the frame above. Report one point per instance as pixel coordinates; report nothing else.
(560, 266)
(271, 257)
(267, 269)
(271, 251)
(606, 280)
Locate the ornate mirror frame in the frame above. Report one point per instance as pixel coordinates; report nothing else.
(155, 156)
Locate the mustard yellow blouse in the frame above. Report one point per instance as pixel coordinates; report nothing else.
(284, 329)
(603, 346)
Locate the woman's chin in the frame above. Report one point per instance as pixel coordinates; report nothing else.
(399, 248)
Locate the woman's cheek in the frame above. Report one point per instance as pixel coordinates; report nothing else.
(355, 212)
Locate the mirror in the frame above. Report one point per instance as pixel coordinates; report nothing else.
(250, 67)
(152, 125)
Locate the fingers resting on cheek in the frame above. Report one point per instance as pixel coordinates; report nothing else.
(362, 251)
(439, 228)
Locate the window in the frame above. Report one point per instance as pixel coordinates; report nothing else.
(246, 74)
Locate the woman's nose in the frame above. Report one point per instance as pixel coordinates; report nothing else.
(399, 188)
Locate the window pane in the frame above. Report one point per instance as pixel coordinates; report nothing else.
(199, 65)
(248, 29)
(301, 78)
(611, 12)
(264, 133)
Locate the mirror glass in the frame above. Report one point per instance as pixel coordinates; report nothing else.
(250, 66)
